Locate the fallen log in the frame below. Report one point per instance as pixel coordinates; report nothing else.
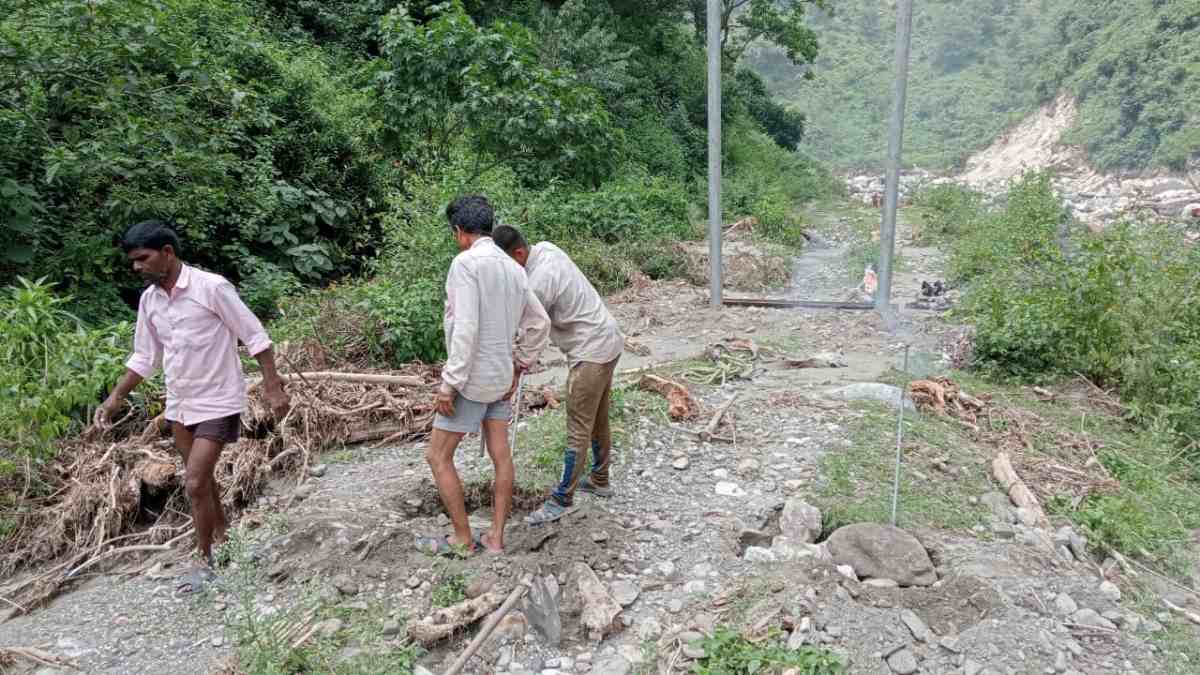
(1190, 616)
(1017, 490)
(447, 621)
(488, 627)
(10, 655)
(680, 405)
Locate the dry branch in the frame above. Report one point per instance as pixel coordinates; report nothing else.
(357, 378)
(710, 430)
(1017, 490)
(447, 621)
(488, 627)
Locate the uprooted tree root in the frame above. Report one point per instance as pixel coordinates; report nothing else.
(1073, 470)
(103, 495)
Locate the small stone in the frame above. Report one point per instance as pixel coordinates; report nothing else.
(727, 489)
(681, 463)
(481, 585)
(693, 652)
(881, 583)
(759, 554)
(330, 628)
(847, 571)
(1002, 530)
(972, 667)
(950, 644)
(414, 582)
(613, 665)
(1065, 604)
(695, 586)
(1060, 662)
(666, 568)
(599, 536)
(303, 492)
(649, 629)
(391, 628)
(748, 467)
(217, 641)
(675, 606)
(317, 470)
(903, 662)
(624, 592)
(1000, 506)
(1110, 591)
(1092, 619)
(345, 585)
(916, 626)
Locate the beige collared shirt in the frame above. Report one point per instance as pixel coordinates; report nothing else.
(492, 319)
(580, 324)
(192, 334)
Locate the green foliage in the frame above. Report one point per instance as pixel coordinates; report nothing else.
(403, 319)
(784, 125)
(450, 589)
(745, 22)
(181, 109)
(979, 65)
(728, 653)
(948, 210)
(1122, 308)
(449, 78)
(53, 367)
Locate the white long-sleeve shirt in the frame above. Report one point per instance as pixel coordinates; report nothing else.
(492, 318)
(580, 324)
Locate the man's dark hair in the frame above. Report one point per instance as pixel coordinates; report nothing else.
(508, 238)
(152, 234)
(472, 214)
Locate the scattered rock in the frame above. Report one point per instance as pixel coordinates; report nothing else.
(748, 467)
(759, 554)
(873, 391)
(882, 552)
(317, 470)
(1000, 506)
(1092, 619)
(1002, 530)
(903, 662)
(1028, 517)
(1110, 591)
(800, 521)
(345, 585)
(414, 582)
(303, 492)
(649, 629)
(599, 536)
(512, 627)
(748, 538)
(600, 610)
(624, 592)
(681, 463)
(881, 583)
(693, 651)
(329, 628)
(1065, 604)
(612, 665)
(916, 626)
(541, 609)
(847, 571)
(675, 606)
(786, 549)
(727, 489)
(391, 628)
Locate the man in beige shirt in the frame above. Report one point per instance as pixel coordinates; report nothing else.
(495, 328)
(582, 327)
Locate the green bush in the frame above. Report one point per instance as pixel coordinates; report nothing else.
(948, 212)
(53, 368)
(404, 319)
(1021, 236)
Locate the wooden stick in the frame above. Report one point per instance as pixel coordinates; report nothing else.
(1016, 488)
(1190, 616)
(709, 432)
(127, 549)
(488, 627)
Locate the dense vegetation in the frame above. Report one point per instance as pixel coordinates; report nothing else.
(980, 65)
(301, 146)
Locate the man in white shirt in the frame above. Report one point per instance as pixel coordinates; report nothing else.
(495, 328)
(582, 327)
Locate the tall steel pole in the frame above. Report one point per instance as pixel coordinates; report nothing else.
(887, 233)
(714, 151)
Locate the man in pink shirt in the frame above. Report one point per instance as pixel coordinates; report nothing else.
(189, 323)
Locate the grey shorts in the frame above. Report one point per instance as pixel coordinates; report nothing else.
(469, 415)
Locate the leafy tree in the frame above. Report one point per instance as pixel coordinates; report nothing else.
(784, 125)
(448, 79)
(744, 22)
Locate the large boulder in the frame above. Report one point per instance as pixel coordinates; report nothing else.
(882, 552)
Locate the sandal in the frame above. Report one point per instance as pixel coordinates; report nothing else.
(480, 545)
(441, 547)
(550, 512)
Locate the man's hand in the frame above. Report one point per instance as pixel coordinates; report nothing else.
(278, 400)
(102, 420)
(518, 371)
(443, 401)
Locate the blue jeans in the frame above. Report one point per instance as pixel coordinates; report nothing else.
(564, 494)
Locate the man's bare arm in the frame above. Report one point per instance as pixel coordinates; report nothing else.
(107, 410)
(272, 384)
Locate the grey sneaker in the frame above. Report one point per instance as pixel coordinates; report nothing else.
(550, 512)
(585, 485)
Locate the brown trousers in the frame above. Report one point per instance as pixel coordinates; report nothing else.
(589, 388)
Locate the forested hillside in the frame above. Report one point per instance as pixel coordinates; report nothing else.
(298, 143)
(980, 65)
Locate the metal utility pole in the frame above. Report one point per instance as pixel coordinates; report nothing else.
(887, 233)
(714, 151)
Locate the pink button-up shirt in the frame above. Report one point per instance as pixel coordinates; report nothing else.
(193, 335)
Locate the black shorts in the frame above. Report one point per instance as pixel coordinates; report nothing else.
(222, 429)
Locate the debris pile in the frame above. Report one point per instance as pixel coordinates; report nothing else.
(104, 497)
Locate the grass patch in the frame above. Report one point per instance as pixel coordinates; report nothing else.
(451, 586)
(728, 653)
(858, 479)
